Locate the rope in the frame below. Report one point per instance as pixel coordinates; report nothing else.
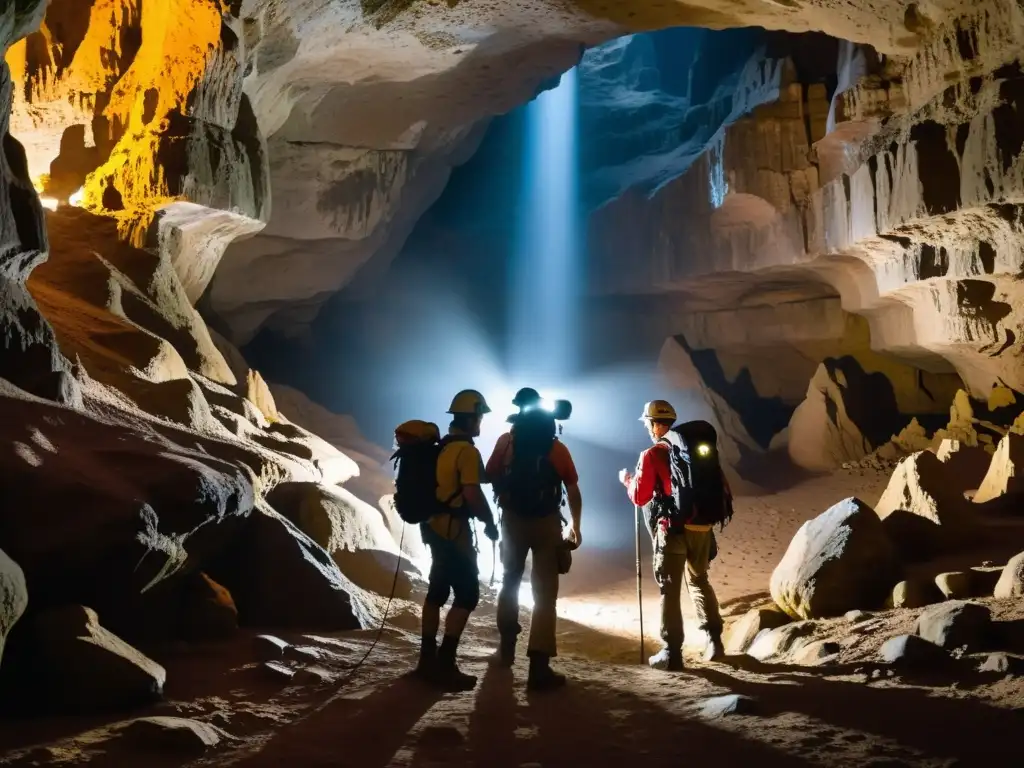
(387, 609)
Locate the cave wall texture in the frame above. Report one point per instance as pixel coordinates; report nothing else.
(177, 177)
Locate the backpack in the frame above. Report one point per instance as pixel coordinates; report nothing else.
(700, 495)
(418, 447)
(530, 485)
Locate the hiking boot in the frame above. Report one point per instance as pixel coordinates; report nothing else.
(506, 652)
(670, 660)
(542, 677)
(426, 667)
(447, 674)
(715, 649)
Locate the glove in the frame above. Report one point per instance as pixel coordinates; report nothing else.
(491, 531)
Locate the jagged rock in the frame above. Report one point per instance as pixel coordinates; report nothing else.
(817, 652)
(839, 561)
(915, 593)
(846, 415)
(924, 486)
(1003, 479)
(743, 632)
(774, 642)
(278, 576)
(968, 464)
(730, 704)
(63, 660)
(13, 596)
(352, 532)
(956, 625)
(913, 653)
(174, 735)
(1011, 580)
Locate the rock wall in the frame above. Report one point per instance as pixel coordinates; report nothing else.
(898, 195)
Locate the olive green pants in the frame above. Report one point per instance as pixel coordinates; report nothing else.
(678, 557)
(519, 537)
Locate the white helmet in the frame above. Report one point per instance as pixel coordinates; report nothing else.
(658, 410)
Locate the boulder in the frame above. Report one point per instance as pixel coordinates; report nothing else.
(278, 576)
(955, 585)
(351, 531)
(1001, 663)
(817, 652)
(775, 642)
(65, 661)
(1002, 479)
(1011, 579)
(269, 647)
(916, 538)
(858, 617)
(743, 631)
(915, 593)
(839, 561)
(923, 485)
(956, 624)
(913, 652)
(730, 704)
(13, 596)
(173, 735)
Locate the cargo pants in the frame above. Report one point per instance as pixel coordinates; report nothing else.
(679, 557)
(519, 537)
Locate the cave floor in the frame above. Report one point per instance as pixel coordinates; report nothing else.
(850, 711)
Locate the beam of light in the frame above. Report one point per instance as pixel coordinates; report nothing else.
(77, 197)
(543, 332)
(48, 203)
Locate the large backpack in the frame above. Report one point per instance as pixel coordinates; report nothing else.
(531, 486)
(700, 495)
(418, 447)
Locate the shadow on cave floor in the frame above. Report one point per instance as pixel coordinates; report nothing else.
(773, 472)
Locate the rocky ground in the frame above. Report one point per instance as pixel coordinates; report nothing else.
(790, 693)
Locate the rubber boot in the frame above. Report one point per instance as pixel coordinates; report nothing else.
(449, 676)
(542, 677)
(715, 649)
(426, 668)
(668, 659)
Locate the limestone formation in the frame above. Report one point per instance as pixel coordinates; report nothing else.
(1005, 478)
(304, 588)
(839, 561)
(845, 416)
(913, 653)
(770, 643)
(351, 531)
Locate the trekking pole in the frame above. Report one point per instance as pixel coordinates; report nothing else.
(639, 584)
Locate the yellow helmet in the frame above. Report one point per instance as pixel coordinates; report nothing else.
(469, 401)
(658, 409)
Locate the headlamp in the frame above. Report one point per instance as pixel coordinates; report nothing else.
(703, 450)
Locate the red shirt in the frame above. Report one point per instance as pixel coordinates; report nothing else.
(652, 472)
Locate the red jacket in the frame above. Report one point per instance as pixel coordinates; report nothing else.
(652, 472)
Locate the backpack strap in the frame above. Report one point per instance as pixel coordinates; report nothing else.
(444, 442)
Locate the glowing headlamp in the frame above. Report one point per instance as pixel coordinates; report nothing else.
(703, 450)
